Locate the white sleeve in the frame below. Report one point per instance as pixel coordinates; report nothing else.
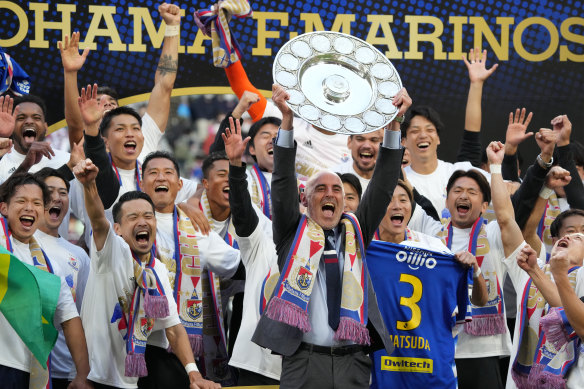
(66, 309)
(84, 264)
(187, 191)
(272, 110)
(518, 276)
(103, 260)
(421, 222)
(217, 255)
(152, 136)
(76, 200)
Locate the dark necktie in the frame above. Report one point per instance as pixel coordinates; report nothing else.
(333, 279)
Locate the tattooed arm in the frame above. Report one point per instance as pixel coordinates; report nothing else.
(159, 102)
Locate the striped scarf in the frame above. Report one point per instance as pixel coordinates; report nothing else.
(289, 303)
(261, 193)
(490, 318)
(184, 270)
(542, 360)
(138, 173)
(148, 303)
(225, 48)
(40, 376)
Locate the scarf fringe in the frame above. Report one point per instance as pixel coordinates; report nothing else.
(553, 326)
(541, 379)
(288, 313)
(135, 365)
(350, 329)
(521, 380)
(156, 307)
(486, 325)
(196, 342)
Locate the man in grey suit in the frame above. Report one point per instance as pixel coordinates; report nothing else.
(315, 356)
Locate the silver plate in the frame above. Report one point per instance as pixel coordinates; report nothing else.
(337, 82)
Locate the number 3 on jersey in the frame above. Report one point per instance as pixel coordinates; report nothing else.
(411, 303)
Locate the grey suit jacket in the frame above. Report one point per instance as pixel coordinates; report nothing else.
(285, 339)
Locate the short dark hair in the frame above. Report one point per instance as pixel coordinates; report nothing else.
(47, 172)
(477, 176)
(9, 187)
(211, 159)
(32, 99)
(255, 128)
(108, 90)
(352, 180)
(107, 118)
(129, 196)
(558, 223)
(409, 192)
(160, 154)
(424, 111)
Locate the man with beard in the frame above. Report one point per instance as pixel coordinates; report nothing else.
(306, 318)
(69, 261)
(28, 136)
(128, 295)
(197, 254)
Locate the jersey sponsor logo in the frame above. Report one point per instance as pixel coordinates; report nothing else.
(416, 259)
(404, 364)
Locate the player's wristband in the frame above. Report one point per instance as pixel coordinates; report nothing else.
(545, 192)
(191, 367)
(172, 30)
(477, 273)
(495, 168)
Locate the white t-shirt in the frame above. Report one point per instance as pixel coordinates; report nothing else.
(316, 151)
(347, 167)
(111, 282)
(214, 253)
(71, 263)
(257, 253)
(19, 357)
(433, 185)
(152, 136)
(470, 346)
(11, 161)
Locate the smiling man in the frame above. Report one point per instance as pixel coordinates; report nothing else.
(364, 149)
(30, 129)
(321, 260)
(128, 295)
(69, 262)
(24, 199)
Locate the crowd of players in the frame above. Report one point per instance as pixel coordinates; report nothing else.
(223, 284)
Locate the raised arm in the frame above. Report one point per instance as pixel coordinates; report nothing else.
(527, 260)
(159, 103)
(510, 231)
(562, 126)
(515, 134)
(86, 172)
(245, 220)
(470, 148)
(72, 63)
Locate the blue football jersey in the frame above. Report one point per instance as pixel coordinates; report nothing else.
(422, 295)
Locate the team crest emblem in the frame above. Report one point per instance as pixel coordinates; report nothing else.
(304, 277)
(146, 326)
(194, 309)
(73, 264)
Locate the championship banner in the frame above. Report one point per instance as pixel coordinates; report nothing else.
(539, 48)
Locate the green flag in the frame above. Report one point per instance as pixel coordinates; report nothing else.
(28, 299)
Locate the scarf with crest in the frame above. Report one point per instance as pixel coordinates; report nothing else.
(547, 346)
(261, 193)
(289, 303)
(552, 210)
(225, 48)
(184, 270)
(489, 319)
(216, 357)
(40, 376)
(148, 303)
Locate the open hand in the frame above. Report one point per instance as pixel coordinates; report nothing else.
(72, 60)
(7, 116)
(234, 145)
(516, 130)
(476, 65)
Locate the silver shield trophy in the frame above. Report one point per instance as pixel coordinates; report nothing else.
(337, 82)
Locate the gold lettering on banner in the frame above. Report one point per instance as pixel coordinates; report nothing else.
(40, 24)
(457, 23)
(264, 34)
(105, 13)
(481, 28)
(518, 35)
(387, 39)
(22, 24)
(565, 53)
(417, 37)
(197, 46)
(313, 22)
(142, 17)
